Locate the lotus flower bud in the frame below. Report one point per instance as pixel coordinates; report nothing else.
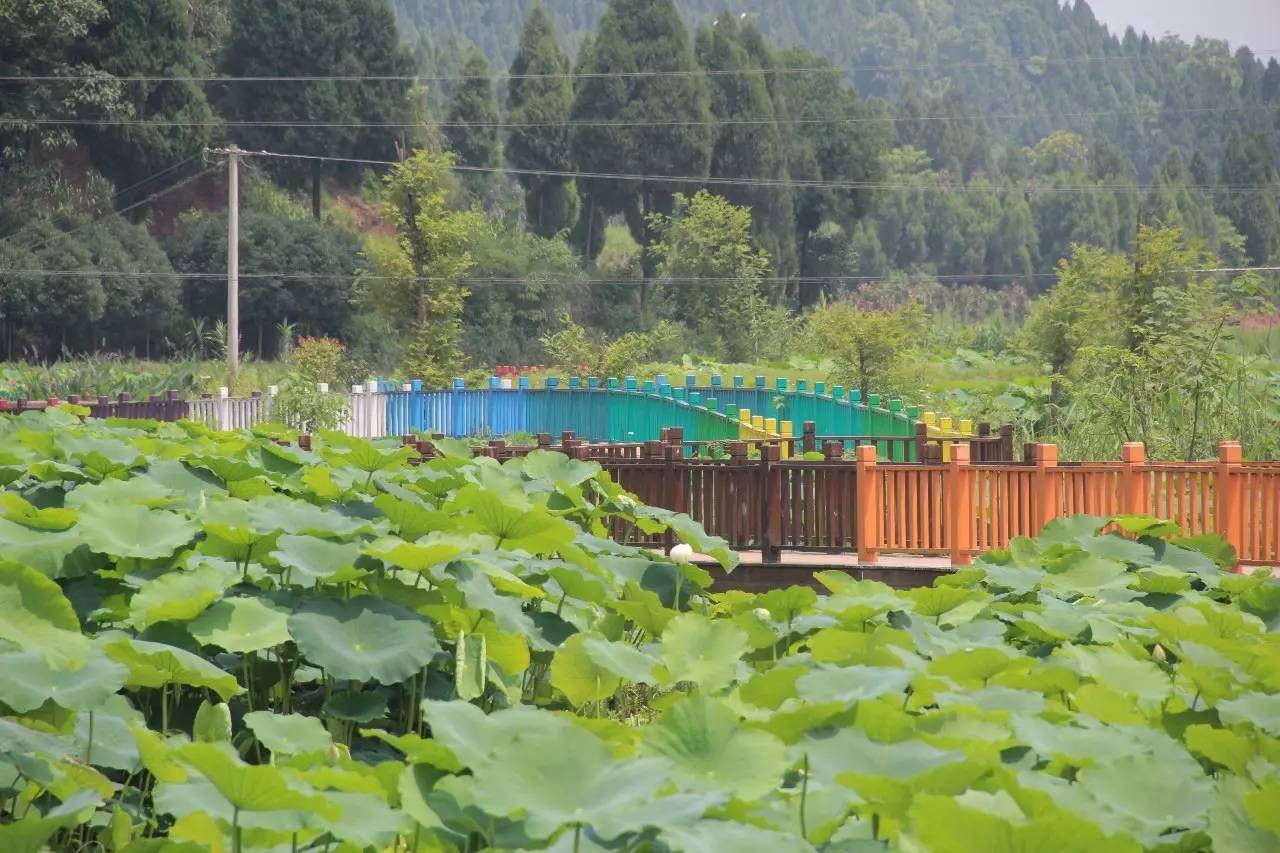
(682, 554)
(212, 723)
(762, 614)
(1157, 653)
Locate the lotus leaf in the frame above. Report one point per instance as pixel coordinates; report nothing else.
(364, 638)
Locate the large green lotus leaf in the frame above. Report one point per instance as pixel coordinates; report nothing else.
(1071, 529)
(299, 518)
(572, 777)
(1222, 746)
(849, 749)
(534, 530)
(554, 468)
(935, 602)
(577, 675)
(28, 681)
(717, 836)
(472, 736)
(356, 706)
(1150, 795)
(1086, 574)
(1262, 710)
(785, 604)
(248, 787)
(710, 749)
(410, 519)
(417, 749)
(227, 468)
(364, 638)
(692, 534)
(365, 820)
(1263, 805)
(364, 456)
(1087, 741)
(622, 659)
(943, 825)
(35, 616)
(995, 698)
(288, 734)
(111, 731)
(1139, 678)
(414, 557)
(310, 559)
(143, 491)
(242, 625)
(179, 595)
(33, 831)
(52, 553)
(156, 664)
(852, 684)
(194, 485)
(703, 651)
(1231, 828)
(130, 530)
(21, 511)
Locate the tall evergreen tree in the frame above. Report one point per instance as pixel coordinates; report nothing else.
(539, 98)
(748, 141)
(666, 116)
(322, 38)
(471, 124)
(1250, 194)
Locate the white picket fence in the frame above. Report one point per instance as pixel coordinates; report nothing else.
(366, 410)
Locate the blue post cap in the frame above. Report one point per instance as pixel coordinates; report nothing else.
(459, 384)
(761, 381)
(819, 387)
(416, 385)
(716, 381)
(678, 393)
(690, 380)
(495, 382)
(574, 382)
(631, 383)
(837, 391)
(802, 385)
(855, 396)
(660, 379)
(695, 399)
(781, 384)
(524, 382)
(593, 382)
(738, 381)
(665, 390)
(650, 387)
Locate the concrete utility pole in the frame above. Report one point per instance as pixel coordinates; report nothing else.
(233, 264)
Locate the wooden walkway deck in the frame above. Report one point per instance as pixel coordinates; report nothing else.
(797, 569)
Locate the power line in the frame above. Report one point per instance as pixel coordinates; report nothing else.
(607, 123)
(481, 280)
(592, 75)
(777, 182)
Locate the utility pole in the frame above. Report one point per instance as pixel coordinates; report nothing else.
(233, 264)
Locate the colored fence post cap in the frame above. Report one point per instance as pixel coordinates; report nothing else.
(690, 380)
(357, 389)
(459, 383)
(819, 387)
(495, 382)
(761, 381)
(593, 382)
(574, 382)
(713, 405)
(771, 425)
(613, 383)
(716, 381)
(322, 387)
(929, 418)
(873, 400)
(695, 399)
(944, 423)
(855, 396)
(524, 382)
(273, 390)
(757, 422)
(506, 384)
(660, 379)
(895, 405)
(786, 429)
(738, 381)
(802, 385)
(631, 383)
(650, 387)
(417, 385)
(224, 392)
(781, 384)
(677, 393)
(553, 382)
(744, 415)
(913, 413)
(837, 392)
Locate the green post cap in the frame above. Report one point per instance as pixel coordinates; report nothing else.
(650, 387)
(782, 384)
(837, 392)
(913, 413)
(713, 405)
(895, 405)
(873, 400)
(855, 396)
(613, 383)
(631, 383)
(802, 385)
(819, 387)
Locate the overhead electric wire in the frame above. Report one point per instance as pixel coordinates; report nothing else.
(771, 182)
(606, 75)
(608, 123)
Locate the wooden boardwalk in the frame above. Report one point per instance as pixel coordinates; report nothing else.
(797, 569)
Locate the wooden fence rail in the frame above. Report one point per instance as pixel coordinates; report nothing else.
(956, 509)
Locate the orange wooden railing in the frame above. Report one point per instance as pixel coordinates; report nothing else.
(961, 509)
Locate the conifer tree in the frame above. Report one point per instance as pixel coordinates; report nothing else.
(1250, 195)
(540, 96)
(471, 122)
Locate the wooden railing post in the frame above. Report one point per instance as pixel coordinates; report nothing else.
(922, 441)
(1229, 495)
(1006, 443)
(1046, 497)
(1133, 491)
(770, 505)
(810, 437)
(869, 508)
(959, 494)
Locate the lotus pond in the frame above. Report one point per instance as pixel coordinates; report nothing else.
(214, 641)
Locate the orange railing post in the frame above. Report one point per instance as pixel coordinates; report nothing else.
(959, 492)
(1133, 492)
(867, 523)
(1229, 495)
(1045, 488)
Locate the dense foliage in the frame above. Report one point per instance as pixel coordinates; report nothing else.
(219, 640)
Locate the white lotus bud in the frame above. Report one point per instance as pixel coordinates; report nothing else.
(762, 614)
(682, 554)
(1157, 653)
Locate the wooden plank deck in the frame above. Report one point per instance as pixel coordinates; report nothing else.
(797, 569)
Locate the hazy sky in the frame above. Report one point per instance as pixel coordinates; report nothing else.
(1255, 23)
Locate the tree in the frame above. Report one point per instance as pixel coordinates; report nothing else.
(1250, 195)
(298, 270)
(870, 349)
(325, 39)
(539, 99)
(471, 124)
(166, 121)
(748, 143)
(713, 268)
(414, 279)
(666, 116)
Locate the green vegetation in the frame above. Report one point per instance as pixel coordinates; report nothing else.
(217, 640)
